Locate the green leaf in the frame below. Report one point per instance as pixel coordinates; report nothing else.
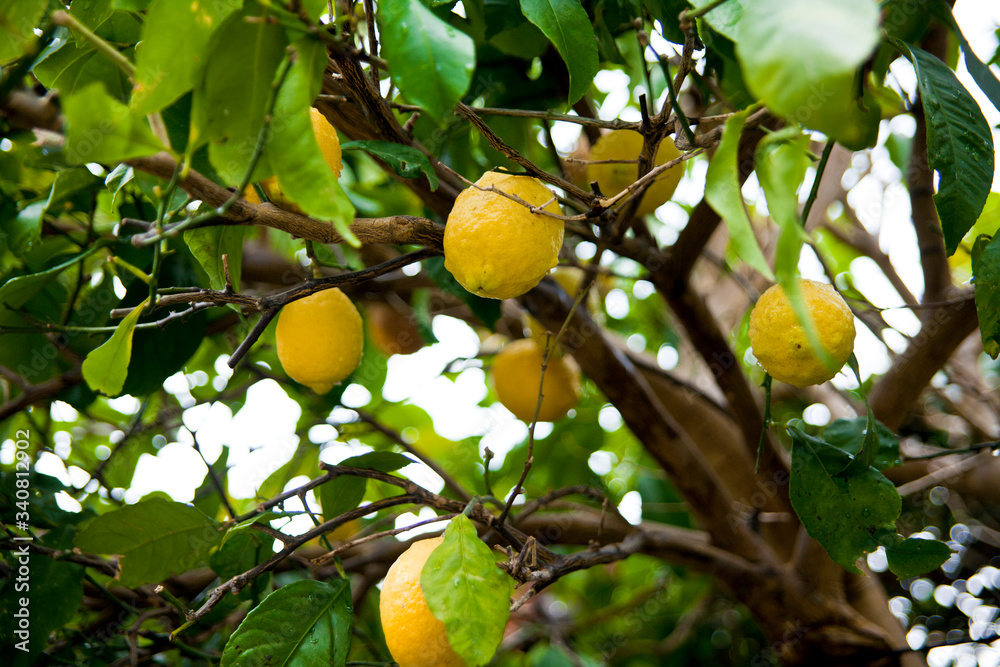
(92, 13)
(240, 554)
(980, 71)
(913, 556)
(209, 244)
(818, 87)
(99, 128)
(487, 310)
(726, 19)
(106, 367)
(246, 526)
(722, 191)
(117, 179)
(293, 153)
(153, 538)
(849, 435)
(986, 279)
(566, 24)
(54, 592)
(230, 99)
(69, 66)
(345, 492)
(667, 12)
(17, 291)
(171, 28)
(466, 590)
(406, 161)
(431, 62)
(17, 20)
(303, 624)
(959, 146)
(843, 514)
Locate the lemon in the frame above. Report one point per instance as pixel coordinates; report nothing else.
(415, 637)
(329, 145)
(496, 247)
(320, 338)
(517, 371)
(779, 341)
(613, 178)
(392, 331)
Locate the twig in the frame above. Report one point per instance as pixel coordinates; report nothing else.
(258, 330)
(449, 481)
(320, 560)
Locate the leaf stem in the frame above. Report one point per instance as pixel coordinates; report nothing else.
(67, 20)
(814, 193)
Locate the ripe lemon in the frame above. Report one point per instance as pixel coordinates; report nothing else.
(320, 338)
(329, 145)
(496, 247)
(517, 371)
(779, 341)
(613, 178)
(415, 637)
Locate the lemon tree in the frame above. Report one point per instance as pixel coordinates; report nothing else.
(198, 464)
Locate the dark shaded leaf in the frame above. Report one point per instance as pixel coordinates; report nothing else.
(303, 624)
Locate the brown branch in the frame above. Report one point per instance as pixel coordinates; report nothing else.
(105, 567)
(41, 392)
(627, 389)
(920, 182)
(272, 301)
(942, 330)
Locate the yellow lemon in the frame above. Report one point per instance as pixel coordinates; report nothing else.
(613, 178)
(329, 145)
(320, 338)
(415, 637)
(496, 247)
(517, 372)
(779, 340)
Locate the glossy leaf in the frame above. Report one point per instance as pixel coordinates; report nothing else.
(431, 62)
(959, 146)
(209, 244)
(841, 513)
(565, 22)
(92, 13)
(303, 624)
(406, 161)
(294, 155)
(466, 590)
(849, 435)
(816, 86)
(170, 28)
(231, 97)
(722, 192)
(913, 556)
(986, 279)
(345, 492)
(980, 71)
(781, 160)
(17, 291)
(102, 129)
(70, 66)
(153, 538)
(106, 367)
